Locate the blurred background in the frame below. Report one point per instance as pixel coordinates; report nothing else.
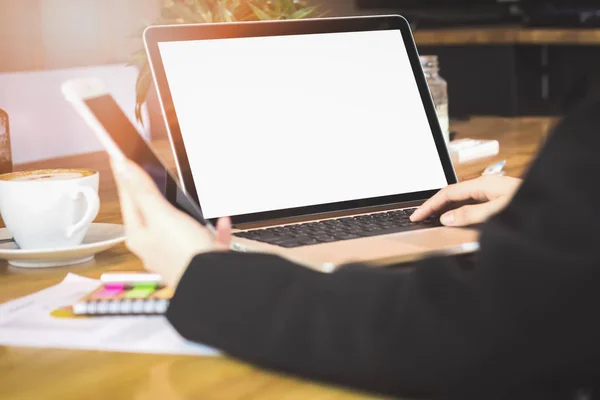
(499, 57)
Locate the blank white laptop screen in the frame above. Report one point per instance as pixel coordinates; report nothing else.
(272, 123)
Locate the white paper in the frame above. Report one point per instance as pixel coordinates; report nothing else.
(27, 322)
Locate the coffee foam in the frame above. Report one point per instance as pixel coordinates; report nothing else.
(47, 175)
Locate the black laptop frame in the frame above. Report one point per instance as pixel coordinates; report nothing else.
(156, 34)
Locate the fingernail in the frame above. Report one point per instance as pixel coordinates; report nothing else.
(415, 214)
(447, 219)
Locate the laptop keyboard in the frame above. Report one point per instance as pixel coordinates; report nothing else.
(335, 230)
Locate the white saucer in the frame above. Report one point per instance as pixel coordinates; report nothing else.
(100, 237)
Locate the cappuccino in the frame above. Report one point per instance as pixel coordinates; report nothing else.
(49, 208)
(47, 175)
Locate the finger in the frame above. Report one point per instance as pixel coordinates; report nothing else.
(475, 214)
(132, 218)
(224, 232)
(468, 190)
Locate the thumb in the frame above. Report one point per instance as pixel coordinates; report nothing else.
(473, 214)
(224, 233)
(140, 187)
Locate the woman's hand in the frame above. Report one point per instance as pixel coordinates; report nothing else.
(492, 193)
(164, 238)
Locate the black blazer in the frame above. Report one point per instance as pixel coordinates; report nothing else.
(523, 321)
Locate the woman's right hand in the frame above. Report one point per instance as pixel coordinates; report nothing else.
(490, 193)
(164, 238)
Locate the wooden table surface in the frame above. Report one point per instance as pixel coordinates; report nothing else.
(27, 373)
(506, 36)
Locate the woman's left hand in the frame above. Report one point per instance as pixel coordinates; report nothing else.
(164, 238)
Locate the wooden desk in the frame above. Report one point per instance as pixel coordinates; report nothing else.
(506, 36)
(27, 373)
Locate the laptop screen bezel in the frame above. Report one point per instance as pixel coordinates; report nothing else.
(177, 33)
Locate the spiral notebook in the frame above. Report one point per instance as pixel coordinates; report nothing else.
(142, 298)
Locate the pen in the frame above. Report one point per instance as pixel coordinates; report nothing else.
(130, 278)
(495, 169)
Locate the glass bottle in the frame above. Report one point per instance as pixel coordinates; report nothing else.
(439, 91)
(5, 152)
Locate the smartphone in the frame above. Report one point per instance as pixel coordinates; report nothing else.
(122, 140)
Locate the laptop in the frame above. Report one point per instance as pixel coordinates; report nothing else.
(319, 137)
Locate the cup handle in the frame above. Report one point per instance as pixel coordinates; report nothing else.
(93, 206)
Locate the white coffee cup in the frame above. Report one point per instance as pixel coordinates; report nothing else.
(49, 209)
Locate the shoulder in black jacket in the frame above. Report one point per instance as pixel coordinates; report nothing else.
(523, 322)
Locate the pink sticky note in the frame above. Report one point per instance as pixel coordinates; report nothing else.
(108, 293)
(114, 286)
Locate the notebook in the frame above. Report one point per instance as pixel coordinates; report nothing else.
(141, 298)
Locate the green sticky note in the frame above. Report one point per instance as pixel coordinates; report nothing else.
(145, 285)
(139, 292)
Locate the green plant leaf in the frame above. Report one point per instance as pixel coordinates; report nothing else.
(260, 14)
(142, 87)
(184, 12)
(288, 7)
(278, 7)
(204, 11)
(322, 14)
(303, 13)
(138, 58)
(225, 13)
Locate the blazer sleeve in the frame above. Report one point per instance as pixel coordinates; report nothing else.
(526, 307)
